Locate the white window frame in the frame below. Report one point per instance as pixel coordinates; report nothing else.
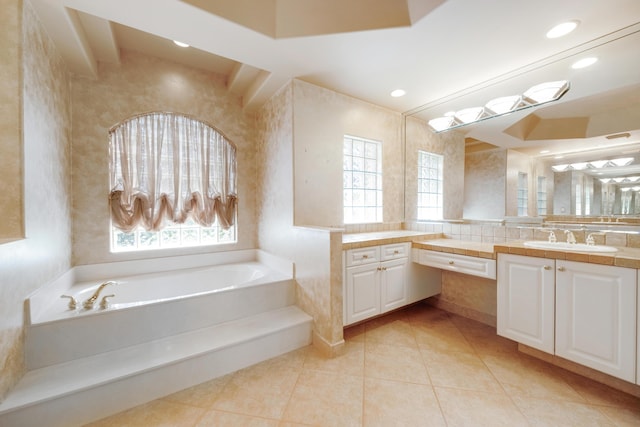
(430, 204)
(362, 180)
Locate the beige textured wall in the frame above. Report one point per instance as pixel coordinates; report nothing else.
(321, 119)
(468, 296)
(11, 202)
(451, 146)
(316, 252)
(485, 174)
(45, 254)
(142, 84)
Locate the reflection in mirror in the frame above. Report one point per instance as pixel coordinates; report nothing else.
(508, 159)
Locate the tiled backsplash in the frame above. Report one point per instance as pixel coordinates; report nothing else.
(373, 228)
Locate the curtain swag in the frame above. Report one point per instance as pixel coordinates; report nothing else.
(170, 167)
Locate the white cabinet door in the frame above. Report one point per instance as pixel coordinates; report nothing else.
(393, 284)
(363, 292)
(526, 300)
(596, 317)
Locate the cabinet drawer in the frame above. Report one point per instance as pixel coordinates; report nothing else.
(362, 256)
(481, 267)
(395, 251)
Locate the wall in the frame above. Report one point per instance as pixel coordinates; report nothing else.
(469, 296)
(143, 84)
(11, 181)
(45, 253)
(451, 146)
(321, 118)
(485, 184)
(316, 252)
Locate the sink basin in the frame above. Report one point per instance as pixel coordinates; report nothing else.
(569, 247)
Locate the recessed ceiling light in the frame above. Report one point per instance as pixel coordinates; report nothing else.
(180, 43)
(562, 29)
(544, 152)
(398, 93)
(585, 62)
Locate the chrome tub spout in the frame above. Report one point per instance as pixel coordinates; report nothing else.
(89, 303)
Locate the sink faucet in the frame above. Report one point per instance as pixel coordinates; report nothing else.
(570, 237)
(88, 304)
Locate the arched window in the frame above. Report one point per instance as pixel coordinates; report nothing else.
(169, 168)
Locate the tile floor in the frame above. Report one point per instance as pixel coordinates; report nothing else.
(417, 367)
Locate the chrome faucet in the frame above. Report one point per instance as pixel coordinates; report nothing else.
(571, 239)
(88, 304)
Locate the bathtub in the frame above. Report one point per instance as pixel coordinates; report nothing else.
(163, 299)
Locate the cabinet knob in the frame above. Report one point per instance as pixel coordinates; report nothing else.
(384, 268)
(547, 267)
(451, 263)
(365, 256)
(379, 268)
(396, 252)
(561, 268)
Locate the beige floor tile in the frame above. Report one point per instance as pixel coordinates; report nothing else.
(478, 409)
(491, 344)
(524, 376)
(397, 332)
(202, 395)
(441, 339)
(326, 399)
(553, 413)
(428, 315)
(228, 419)
(623, 417)
(262, 390)
(158, 413)
(460, 370)
(350, 362)
(354, 333)
(394, 363)
(600, 394)
(392, 403)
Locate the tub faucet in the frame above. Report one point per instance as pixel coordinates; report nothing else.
(88, 304)
(570, 237)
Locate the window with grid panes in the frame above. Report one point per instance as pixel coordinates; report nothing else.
(362, 180)
(430, 186)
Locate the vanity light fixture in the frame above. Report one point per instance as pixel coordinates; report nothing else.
(181, 44)
(584, 62)
(534, 96)
(606, 180)
(594, 164)
(562, 29)
(398, 93)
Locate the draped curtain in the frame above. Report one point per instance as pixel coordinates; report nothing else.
(170, 167)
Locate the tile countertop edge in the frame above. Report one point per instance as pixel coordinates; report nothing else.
(625, 257)
(363, 240)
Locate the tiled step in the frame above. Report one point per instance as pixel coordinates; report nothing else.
(90, 388)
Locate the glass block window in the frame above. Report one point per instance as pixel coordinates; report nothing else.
(542, 195)
(430, 186)
(523, 194)
(362, 180)
(171, 236)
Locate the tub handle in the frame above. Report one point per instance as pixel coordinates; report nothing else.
(104, 304)
(73, 303)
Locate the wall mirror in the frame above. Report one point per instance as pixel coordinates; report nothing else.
(588, 130)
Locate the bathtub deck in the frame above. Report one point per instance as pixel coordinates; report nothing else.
(102, 384)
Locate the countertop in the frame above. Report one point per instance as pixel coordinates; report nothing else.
(363, 240)
(625, 257)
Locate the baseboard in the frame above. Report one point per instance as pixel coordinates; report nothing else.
(487, 319)
(326, 348)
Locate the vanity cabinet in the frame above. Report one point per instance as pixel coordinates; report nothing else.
(596, 317)
(475, 266)
(526, 300)
(375, 280)
(581, 312)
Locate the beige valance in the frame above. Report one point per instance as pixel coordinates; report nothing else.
(169, 167)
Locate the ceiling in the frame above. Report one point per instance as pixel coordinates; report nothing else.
(446, 54)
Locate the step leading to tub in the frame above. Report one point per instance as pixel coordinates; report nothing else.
(90, 388)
